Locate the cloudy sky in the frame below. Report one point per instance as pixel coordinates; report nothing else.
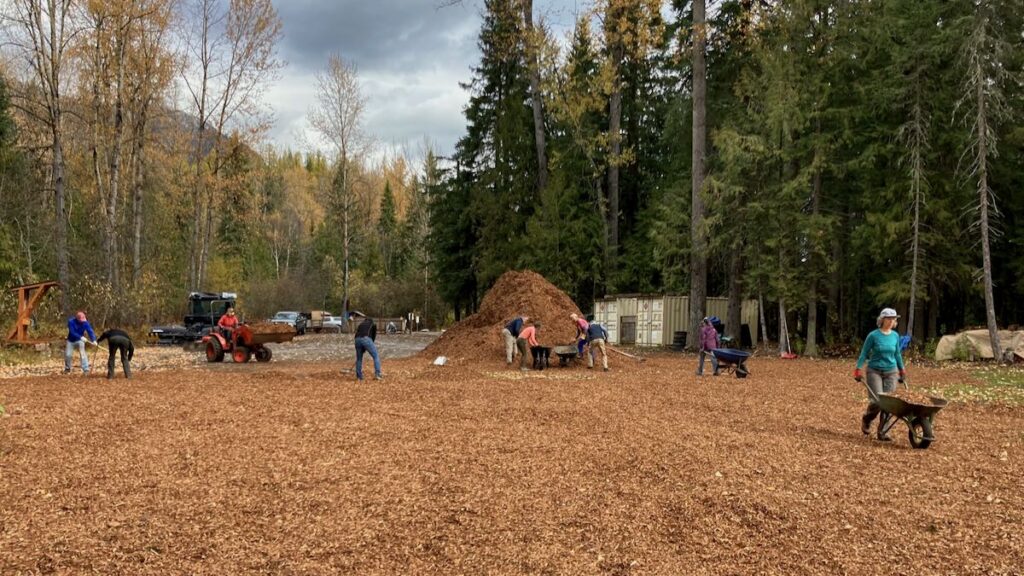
(410, 56)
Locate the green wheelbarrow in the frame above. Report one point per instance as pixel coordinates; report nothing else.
(919, 417)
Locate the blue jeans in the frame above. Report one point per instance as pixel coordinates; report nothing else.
(364, 344)
(714, 362)
(69, 350)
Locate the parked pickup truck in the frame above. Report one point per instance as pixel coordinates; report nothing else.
(323, 321)
(293, 319)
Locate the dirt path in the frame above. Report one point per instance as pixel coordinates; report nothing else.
(293, 468)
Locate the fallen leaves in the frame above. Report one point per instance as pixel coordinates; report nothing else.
(294, 468)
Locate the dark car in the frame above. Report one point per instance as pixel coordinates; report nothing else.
(293, 319)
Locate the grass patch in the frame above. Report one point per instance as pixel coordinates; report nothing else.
(994, 385)
(21, 356)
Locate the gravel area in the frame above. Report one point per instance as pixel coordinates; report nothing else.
(472, 468)
(310, 348)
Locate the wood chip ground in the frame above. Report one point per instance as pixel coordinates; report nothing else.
(470, 468)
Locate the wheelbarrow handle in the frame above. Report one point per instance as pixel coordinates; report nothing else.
(871, 392)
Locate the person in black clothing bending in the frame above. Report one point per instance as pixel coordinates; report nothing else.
(366, 334)
(119, 341)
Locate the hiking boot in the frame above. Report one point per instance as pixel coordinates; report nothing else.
(865, 427)
(378, 377)
(884, 438)
(605, 369)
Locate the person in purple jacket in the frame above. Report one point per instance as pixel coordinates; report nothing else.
(78, 328)
(708, 340)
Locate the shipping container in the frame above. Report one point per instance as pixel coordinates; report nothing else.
(606, 314)
(654, 320)
(649, 320)
(626, 319)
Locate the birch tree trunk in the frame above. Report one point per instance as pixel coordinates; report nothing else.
(44, 26)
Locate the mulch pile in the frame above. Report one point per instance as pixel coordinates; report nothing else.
(270, 328)
(912, 397)
(514, 294)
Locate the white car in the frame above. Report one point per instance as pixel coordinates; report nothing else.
(332, 323)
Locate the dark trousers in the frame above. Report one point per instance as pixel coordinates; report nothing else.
(541, 357)
(119, 344)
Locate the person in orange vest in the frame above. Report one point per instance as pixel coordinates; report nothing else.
(526, 341)
(228, 322)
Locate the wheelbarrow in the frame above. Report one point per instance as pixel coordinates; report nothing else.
(567, 355)
(731, 360)
(918, 417)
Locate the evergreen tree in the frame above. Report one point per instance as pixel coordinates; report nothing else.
(498, 152)
(387, 227)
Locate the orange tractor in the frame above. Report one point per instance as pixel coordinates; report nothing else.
(245, 342)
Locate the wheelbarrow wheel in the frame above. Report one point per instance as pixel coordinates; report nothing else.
(263, 355)
(920, 433)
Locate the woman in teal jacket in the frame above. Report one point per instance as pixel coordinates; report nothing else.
(881, 351)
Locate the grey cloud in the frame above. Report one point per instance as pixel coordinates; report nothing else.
(396, 35)
(410, 56)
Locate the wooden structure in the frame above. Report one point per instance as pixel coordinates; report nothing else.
(29, 296)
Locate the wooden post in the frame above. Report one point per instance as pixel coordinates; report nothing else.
(29, 296)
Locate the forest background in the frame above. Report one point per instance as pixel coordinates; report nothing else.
(828, 157)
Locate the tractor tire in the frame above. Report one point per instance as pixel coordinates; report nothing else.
(214, 351)
(263, 355)
(241, 354)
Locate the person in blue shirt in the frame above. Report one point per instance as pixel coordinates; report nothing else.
(881, 351)
(596, 338)
(78, 328)
(510, 333)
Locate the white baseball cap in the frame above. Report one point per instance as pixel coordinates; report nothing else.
(886, 313)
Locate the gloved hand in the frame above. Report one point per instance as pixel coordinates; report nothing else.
(903, 376)
(857, 375)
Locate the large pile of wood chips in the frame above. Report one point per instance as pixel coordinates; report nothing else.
(515, 293)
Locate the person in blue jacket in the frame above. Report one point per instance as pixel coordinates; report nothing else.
(881, 351)
(510, 333)
(78, 328)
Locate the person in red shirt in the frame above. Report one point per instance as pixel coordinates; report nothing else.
(228, 322)
(527, 340)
